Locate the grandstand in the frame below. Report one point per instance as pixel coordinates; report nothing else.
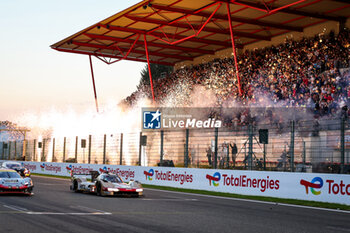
(229, 53)
(190, 32)
(311, 72)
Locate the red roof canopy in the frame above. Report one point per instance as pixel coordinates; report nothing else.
(181, 30)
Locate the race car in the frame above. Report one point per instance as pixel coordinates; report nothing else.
(12, 182)
(24, 172)
(105, 184)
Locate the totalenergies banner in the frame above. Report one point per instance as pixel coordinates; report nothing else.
(66, 169)
(305, 186)
(333, 188)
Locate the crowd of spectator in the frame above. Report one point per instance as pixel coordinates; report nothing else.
(312, 72)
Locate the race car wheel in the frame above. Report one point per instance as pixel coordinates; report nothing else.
(29, 191)
(75, 186)
(98, 189)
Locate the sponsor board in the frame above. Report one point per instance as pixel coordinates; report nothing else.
(160, 176)
(332, 188)
(304, 186)
(66, 169)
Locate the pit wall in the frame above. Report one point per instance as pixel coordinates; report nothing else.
(332, 188)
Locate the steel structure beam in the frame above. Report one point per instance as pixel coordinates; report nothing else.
(196, 39)
(224, 17)
(149, 66)
(196, 31)
(111, 56)
(288, 10)
(168, 35)
(181, 48)
(187, 26)
(179, 57)
(93, 82)
(234, 48)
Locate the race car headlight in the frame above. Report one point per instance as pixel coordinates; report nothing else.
(28, 182)
(113, 190)
(139, 190)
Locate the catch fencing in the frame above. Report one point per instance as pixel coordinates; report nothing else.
(321, 146)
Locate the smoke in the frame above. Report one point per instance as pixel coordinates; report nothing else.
(54, 122)
(201, 97)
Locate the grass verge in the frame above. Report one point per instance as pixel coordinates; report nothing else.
(220, 194)
(62, 177)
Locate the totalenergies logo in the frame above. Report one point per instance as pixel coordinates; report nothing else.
(103, 170)
(316, 183)
(214, 179)
(42, 167)
(30, 167)
(69, 168)
(149, 174)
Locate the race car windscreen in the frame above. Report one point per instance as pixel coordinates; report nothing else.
(9, 175)
(113, 179)
(13, 166)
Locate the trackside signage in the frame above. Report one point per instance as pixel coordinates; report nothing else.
(66, 169)
(244, 181)
(179, 176)
(332, 188)
(305, 186)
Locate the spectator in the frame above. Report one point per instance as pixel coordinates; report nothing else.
(303, 73)
(234, 151)
(209, 153)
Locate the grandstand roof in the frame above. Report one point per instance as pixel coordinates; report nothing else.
(181, 30)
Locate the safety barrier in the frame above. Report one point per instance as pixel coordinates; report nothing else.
(333, 188)
(298, 146)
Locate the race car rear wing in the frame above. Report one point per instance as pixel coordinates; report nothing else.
(92, 175)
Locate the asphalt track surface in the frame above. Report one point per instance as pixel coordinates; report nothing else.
(54, 208)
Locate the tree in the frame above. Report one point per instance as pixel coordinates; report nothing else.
(158, 72)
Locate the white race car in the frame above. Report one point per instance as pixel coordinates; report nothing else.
(24, 172)
(12, 182)
(105, 184)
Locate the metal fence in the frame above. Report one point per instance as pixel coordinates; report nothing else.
(300, 146)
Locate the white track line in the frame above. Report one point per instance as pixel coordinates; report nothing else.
(167, 199)
(25, 211)
(89, 209)
(255, 201)
(16, 208)
(58, 213)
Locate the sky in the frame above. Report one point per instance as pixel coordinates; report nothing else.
(35, 78)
